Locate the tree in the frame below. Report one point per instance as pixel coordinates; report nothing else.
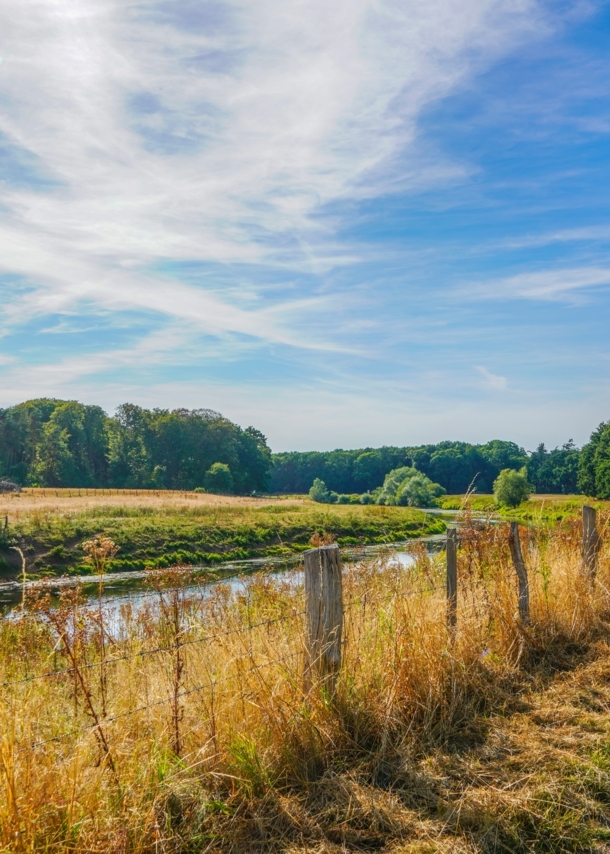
(369, 469)
(319, 492)
(594, 466)
(418, 491)
(53, 464)
(218, 478)
(554, 471)
(511, 487)
(406, 486)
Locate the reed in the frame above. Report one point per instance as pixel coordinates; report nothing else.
(202, 737)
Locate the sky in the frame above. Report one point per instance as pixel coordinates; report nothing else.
(348, 224)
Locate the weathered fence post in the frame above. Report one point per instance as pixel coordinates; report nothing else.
(324, 615)
(591, 540)
(517, 557)
(452, 577)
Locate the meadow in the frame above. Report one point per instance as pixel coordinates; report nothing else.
(187, 726)
(161, 529)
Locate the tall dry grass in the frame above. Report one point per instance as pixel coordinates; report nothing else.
(184, 726)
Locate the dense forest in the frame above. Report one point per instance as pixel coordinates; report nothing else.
(64, 443)
(48, 442)
(594, 474)
(454, 465)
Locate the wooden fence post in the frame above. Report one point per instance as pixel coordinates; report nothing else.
(517, 557)
(591, 540)
(324, 615)
(452, 578)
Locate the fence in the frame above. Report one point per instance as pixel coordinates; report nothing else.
(190, 660)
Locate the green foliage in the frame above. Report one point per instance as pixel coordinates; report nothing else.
(454, 465)
(218, 479)
(511, 487)
(320, 493)
(554, 472)
(64, 443)
(594, 467)
(408, 487)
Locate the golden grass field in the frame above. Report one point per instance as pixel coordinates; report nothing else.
(186, 726)
(53, 501)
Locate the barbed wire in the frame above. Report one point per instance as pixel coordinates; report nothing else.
(198, 688)
(209, 638)
(142, 653)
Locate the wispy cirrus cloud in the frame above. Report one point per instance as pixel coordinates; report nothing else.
(219, 132)
(555, 285)
(495, 382)
(219, 196)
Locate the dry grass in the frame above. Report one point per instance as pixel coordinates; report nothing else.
(496, 739)
(56, 501)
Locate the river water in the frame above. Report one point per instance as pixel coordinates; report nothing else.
(134, 587)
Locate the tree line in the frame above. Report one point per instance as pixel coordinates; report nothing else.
(61, 443)
(456, 466)
(48, 442)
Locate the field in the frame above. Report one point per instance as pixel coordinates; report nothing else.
(187, 726)
(159, 529)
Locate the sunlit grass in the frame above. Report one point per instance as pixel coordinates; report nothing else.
(158, 533)
(492, 739)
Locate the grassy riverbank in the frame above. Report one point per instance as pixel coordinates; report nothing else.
(493, 739)
(154, 530)
(540, 509)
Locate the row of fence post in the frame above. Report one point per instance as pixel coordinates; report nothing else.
(324, 594)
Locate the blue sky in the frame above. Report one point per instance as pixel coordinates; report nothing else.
(348, 224)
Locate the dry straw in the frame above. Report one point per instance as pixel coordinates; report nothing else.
(184, 726)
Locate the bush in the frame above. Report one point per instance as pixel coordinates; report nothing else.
(199, 489)
(218, 479)
(320, 493)
(511, 488)
(367, 498)
(418, 491)
(408, 487)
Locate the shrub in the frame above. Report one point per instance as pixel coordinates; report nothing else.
(320, 493)
(218, 479)
(409, 487)
(511, 488)
(367, 498)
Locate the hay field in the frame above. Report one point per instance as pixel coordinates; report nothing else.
(54, 501)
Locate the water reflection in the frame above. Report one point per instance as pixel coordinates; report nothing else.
(134, 588)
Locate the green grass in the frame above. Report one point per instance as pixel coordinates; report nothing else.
(165, 536)
(539, 509)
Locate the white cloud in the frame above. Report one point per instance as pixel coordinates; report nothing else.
(495, 382)
(561, 284)
(173, 133)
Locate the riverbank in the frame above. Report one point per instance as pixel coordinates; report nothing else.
(540, 509)
(154, 530)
